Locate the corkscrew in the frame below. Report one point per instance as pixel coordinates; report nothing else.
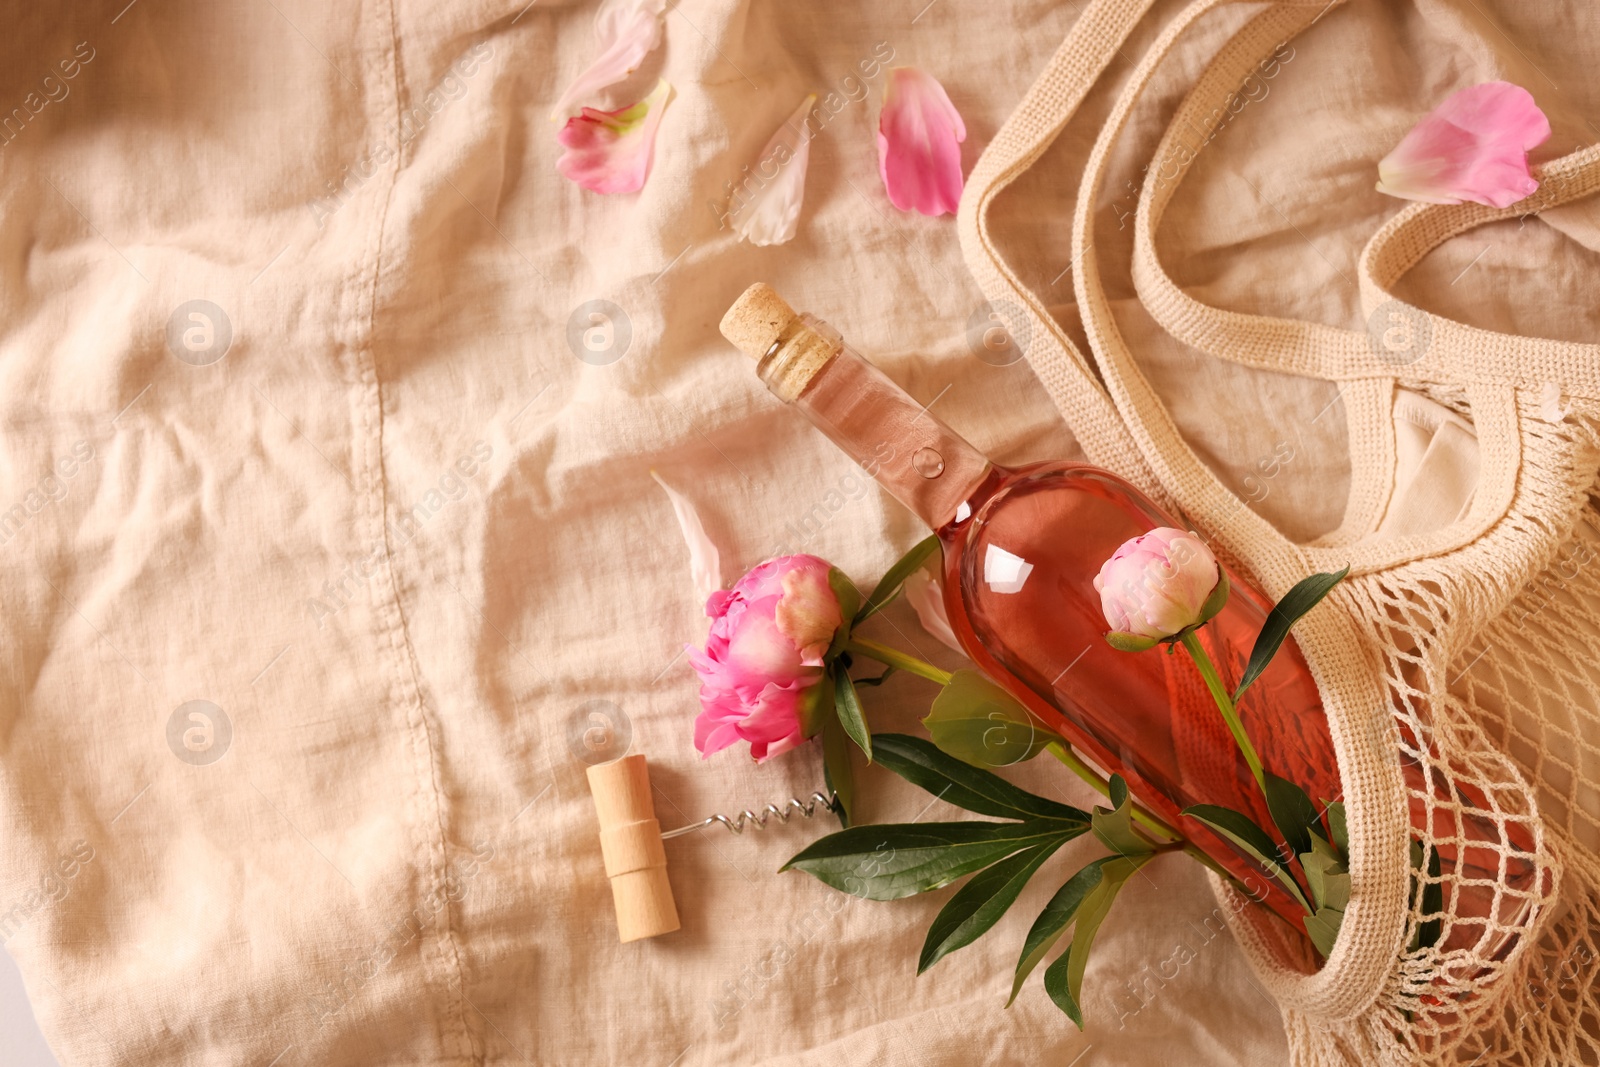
(631, 842)
(806, 809)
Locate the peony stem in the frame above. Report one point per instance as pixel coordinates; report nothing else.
(1171, 838)
(1191, 850)
(893, 657)
(1230, 715)
(1070, 758)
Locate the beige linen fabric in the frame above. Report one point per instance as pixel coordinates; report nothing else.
(399, 534)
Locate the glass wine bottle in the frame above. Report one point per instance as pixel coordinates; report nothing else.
(1022, 546)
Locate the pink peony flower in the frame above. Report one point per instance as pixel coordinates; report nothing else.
(1157, 585)
(1474, 146)
(763, 656)
(609, 151)
(919, 139)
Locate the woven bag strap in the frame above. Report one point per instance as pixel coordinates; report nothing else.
(1490, 367)
(1095, 38)
(1455, 352)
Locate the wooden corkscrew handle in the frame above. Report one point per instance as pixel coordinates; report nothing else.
(630, 842)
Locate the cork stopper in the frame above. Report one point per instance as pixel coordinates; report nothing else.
(757, 319)
(790, 351)
(630, 845)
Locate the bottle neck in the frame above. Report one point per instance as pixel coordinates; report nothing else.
(922, 462)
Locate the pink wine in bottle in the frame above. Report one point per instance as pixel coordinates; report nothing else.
(1021, 548)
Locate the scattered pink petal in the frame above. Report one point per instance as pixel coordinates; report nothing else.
(919, 138)
(773, 213)
(609, 151)
(705, 562)
(628, 30)
(1474, 146)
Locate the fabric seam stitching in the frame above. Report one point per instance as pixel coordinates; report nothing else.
(404, 663)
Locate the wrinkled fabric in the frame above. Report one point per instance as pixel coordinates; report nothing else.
(332, 557)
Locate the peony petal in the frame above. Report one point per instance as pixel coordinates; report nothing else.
(1550, 407)
(609, 151)
(919, 138)
(925, 594)
(775, 714)
(758, 650)
(764, 750)
(628, 30)
(705, 563)
(1473, 146)
(808, 613)
(711, 736)
(766, 579)
(771, 216)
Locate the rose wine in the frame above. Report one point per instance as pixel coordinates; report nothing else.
(1022, 547)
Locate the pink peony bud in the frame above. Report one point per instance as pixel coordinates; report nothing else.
(763, 655)
(1158, 585)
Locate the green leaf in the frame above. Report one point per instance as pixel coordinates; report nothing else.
(1337, 827)
(979, 904)
(976, 721)
(889, 585)
(1321, 848)
(1129, 642)
(922, 764)
(1326, 875)
(1334, 890)
(879, 680)
(1057, 983)
(1063, 979)
(849, 598)
(837, 772)
(1114, 827)
(851, 715)
(1323, 929)
(1237, 827)
(816, 706)
(1053, 920)
(1293, 812)
(1217, 599)
(888, 861)
(1302, 598)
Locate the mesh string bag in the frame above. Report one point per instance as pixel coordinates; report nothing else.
(1460, 663)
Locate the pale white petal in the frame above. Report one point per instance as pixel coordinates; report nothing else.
(627, 31)
(778, 178)
(925, 594)
(1550, 407)
(705, 562)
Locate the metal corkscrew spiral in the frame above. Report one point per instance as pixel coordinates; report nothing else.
(806, 809)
